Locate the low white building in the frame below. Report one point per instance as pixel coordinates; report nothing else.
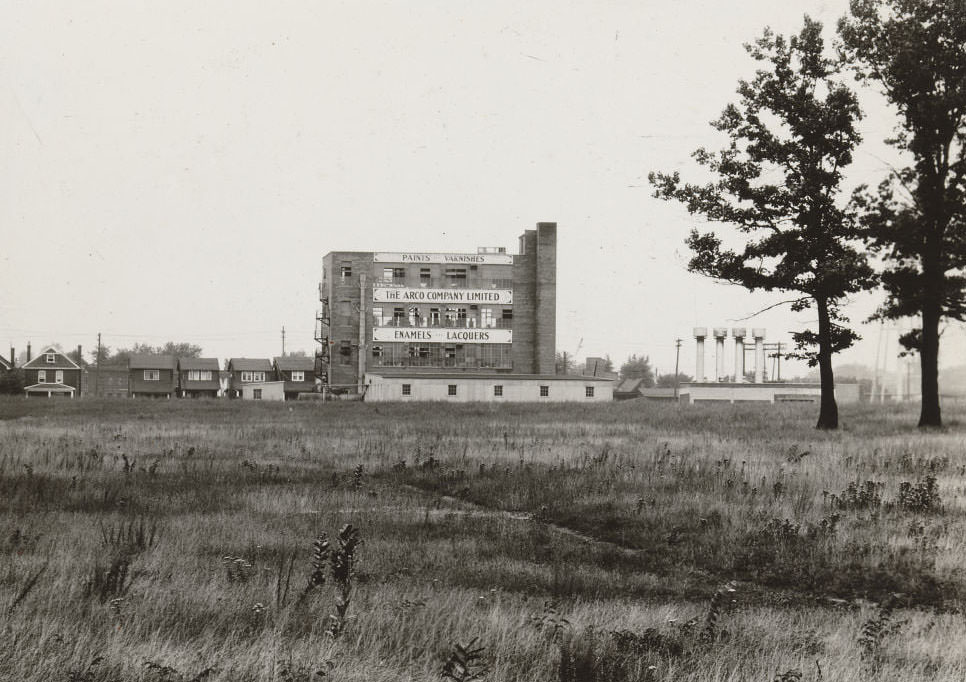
(263, 390)
(762, 393)
(461, 388)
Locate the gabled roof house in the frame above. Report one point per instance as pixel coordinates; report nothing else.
(298, 373)
(248, 371)
(198, 377)
(152, 376)
(51, 374)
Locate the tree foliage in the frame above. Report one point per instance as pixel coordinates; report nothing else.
(670, 380)
(638, 367)
(777, 183)
(179, 349)
(915, 51)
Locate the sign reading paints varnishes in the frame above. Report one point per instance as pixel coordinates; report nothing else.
(417, 295)
(446, 258)
(436, 335)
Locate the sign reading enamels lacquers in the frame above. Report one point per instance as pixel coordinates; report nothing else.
(416, 295)
(436, 335)
(447, 258)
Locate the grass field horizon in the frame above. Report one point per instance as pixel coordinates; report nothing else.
(173, 540)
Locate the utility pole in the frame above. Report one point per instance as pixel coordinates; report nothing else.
(97, 371)
(677, 358)
(283, 340)
(362, 334)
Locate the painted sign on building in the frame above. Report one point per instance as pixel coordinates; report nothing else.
(416, 295)
(447, 258)
(434, 335)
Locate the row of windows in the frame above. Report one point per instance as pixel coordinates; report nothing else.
(58, 376)
(451, 390)
(489, 355)
(413, 316)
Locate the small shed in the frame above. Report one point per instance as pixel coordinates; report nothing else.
(263, 390)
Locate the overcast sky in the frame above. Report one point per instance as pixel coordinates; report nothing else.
(177, 170)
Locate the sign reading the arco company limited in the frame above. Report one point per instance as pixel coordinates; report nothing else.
(437, 335)
(418, 295)
(447, 258)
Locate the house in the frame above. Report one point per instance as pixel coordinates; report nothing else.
(247, 371)
(262, 390)
(198, 377)
(152, 376)
(51, 374)
(298, 373)
(6, 365)
(106, 382)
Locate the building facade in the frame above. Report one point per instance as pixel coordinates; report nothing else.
(51, 374)
(487, 312)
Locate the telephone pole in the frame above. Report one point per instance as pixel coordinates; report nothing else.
(677, 358)
(97, 371)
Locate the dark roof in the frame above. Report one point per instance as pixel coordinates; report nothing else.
(290, 362)
(251, 365)
(198, 363)
(5, 363)
(152, 362)
(491, 377)
(630, 386)
(61, 361)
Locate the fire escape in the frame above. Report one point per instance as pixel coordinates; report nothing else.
(322, 357)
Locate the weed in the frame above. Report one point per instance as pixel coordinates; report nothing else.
(109, 581)
(920, 497)
(715, 608)
(465, 663)
(877, 628)
(343, 561)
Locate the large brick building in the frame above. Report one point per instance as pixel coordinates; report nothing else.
(486, 312)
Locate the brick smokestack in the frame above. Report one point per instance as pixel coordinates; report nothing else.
(80, 358)
(28, 351)
(13, 357)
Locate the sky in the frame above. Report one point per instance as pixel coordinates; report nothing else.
(176, 171)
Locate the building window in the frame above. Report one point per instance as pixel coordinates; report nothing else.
(256, 394)
(199, 375)
(451, 389)
(387, 274)
(434, 317)
(456, 276)
(345, 271)
(41, 377)
(377, 318)
(407, 389)
(544, 391)
(507, 316)
(59, 376)
(425, 276)
(398, 317)
(487, 320)
(252, 377)
(152, 375)
(589, 391)
(399, 274)
(298, 376)
(498, 391)
(51, 358)
(414, 316)
(377, 351)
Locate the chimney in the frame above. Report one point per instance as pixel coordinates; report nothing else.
(13, 357)
(80, 358)
(28, 351)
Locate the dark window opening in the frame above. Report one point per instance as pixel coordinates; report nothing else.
(544, 391)
(498, 391)
(407, 389)
(451, 389)
(589, 391)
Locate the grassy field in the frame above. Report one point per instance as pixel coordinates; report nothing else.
(636, 541)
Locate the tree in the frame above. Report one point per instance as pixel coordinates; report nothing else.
(12, 382)
(670, 380)
(638, 368)
(915, 50)
(121, 356)
(563, 363)
(777, 183)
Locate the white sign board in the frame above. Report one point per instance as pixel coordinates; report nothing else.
(447, 258)
(417, 295)
(434, 335)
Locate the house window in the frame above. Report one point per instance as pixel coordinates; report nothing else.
(199, 375)
(51, 358)
(59, 376)
(544, 391)
(451, 389)
(498, 391)
(298, 376)
(407, 389)
(256, 394)
(252, 377)
(152, 375)
(41, 377)
(589, 391)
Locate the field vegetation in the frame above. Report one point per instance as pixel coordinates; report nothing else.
(215, 540)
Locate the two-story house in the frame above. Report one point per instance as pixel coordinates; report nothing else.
(51, 374)
(198, 377)
(298, 373)
(152, 376)
(248, 371)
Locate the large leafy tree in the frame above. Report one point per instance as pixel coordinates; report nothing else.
(778, 184)
(638, 367)
(915, 51)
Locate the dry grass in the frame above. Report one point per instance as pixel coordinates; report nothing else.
(172, 541)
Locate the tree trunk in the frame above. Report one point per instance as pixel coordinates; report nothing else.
(930, 414)
(828, 415)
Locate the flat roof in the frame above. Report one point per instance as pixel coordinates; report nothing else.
(489, 377)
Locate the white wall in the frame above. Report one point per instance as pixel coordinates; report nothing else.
(381, 389)
(846, 393)
(271, 390)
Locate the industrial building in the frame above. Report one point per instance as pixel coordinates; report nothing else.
(446, 319)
